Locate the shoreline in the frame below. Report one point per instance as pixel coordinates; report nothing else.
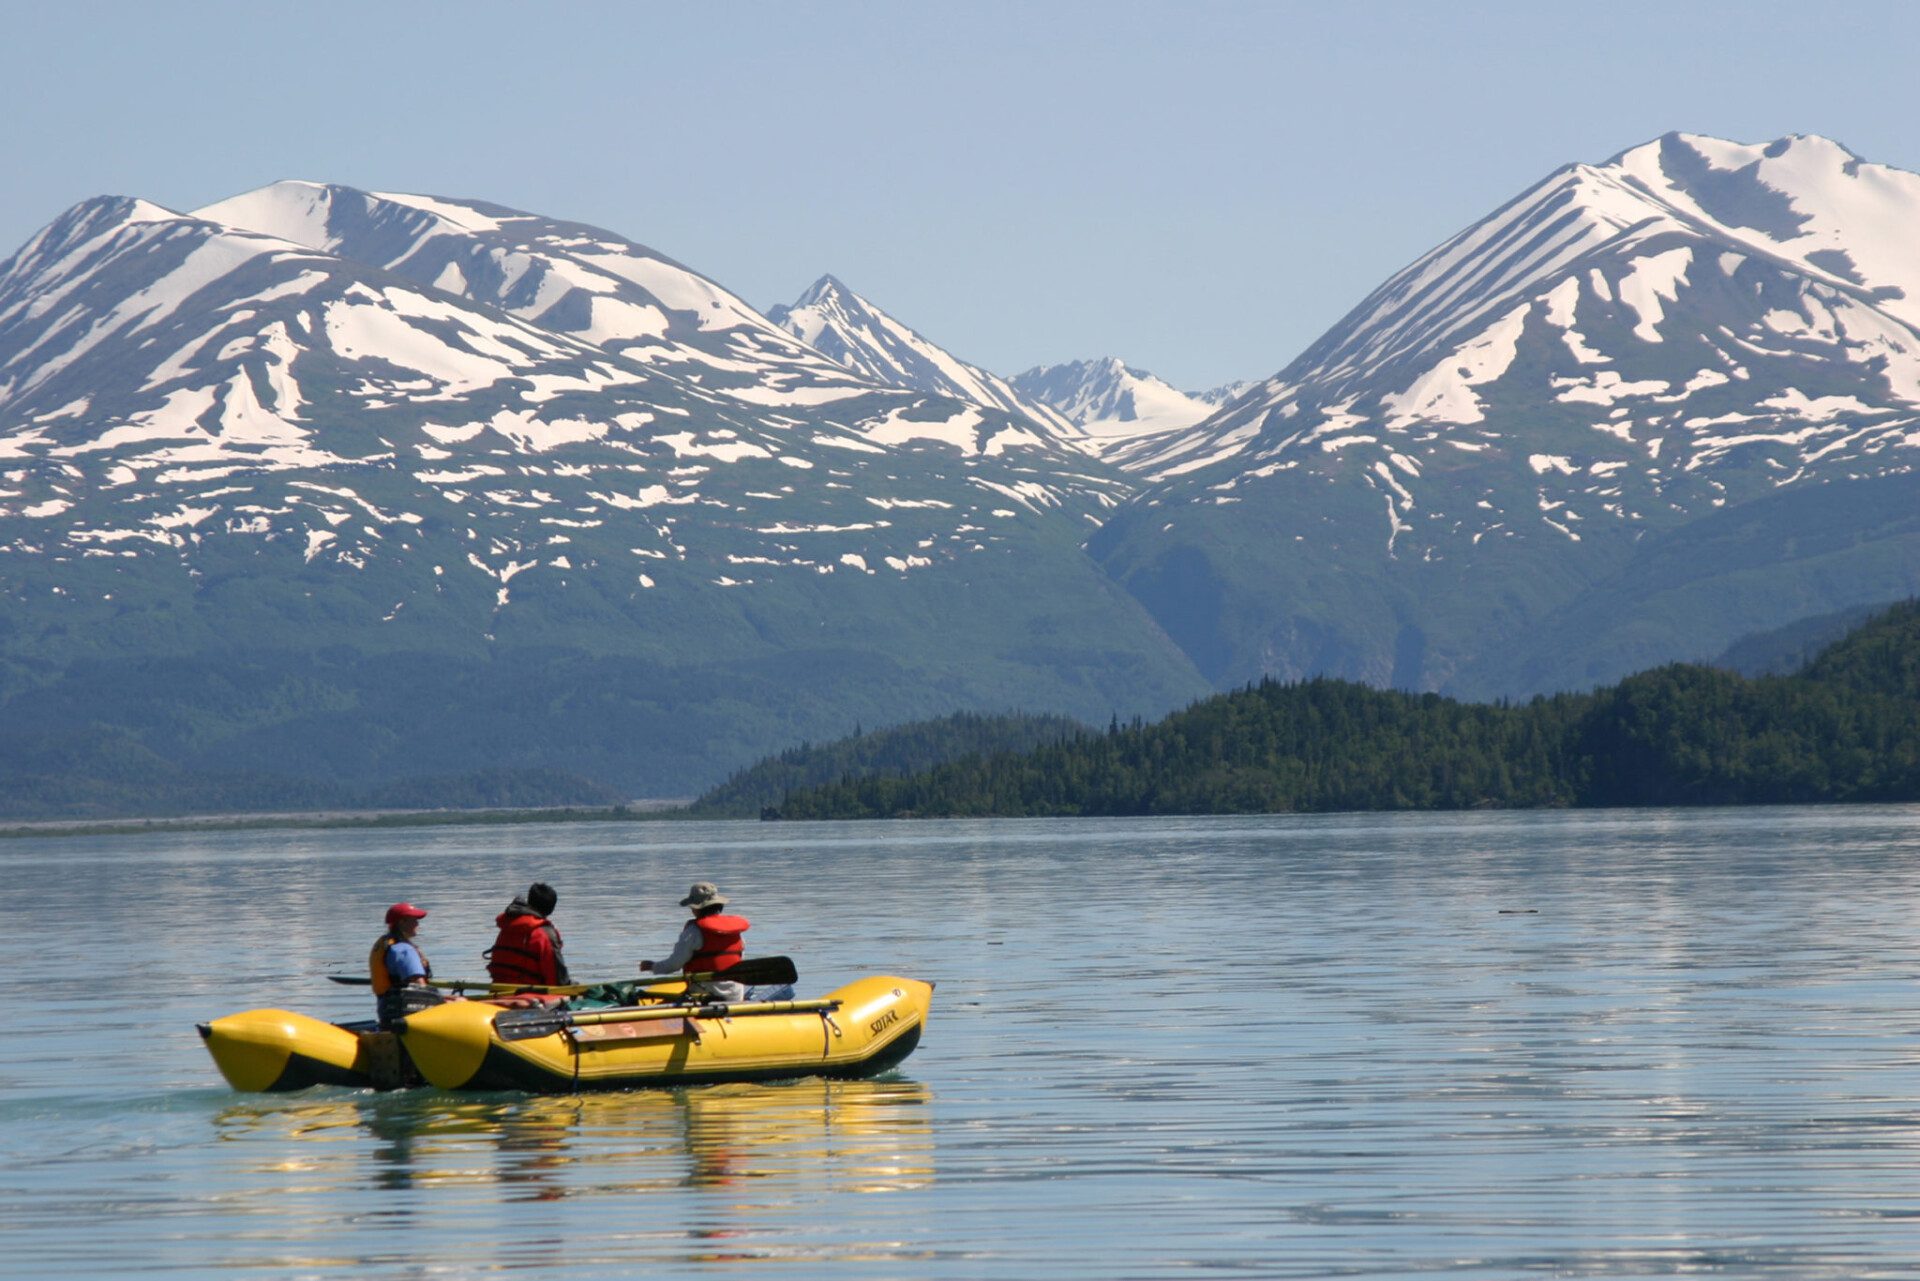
(640, 811)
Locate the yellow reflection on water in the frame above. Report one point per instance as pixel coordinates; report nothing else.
(772, 1143)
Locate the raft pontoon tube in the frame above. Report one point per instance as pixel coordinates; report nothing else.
(276, 1050)
(861, 1029)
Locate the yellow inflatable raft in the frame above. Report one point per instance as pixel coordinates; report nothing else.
(863, 1028)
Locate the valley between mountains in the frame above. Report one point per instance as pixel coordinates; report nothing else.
(323, 496)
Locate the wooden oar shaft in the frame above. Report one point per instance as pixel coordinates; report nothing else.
(474, 985)
(759, 969)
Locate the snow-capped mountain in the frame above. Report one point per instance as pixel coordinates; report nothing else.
(565, 277)
(833, 319)
(1591, 262)
(1113, 402)
(312, 416)
(363, 484)
(1620, 352)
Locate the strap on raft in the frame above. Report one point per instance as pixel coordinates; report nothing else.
(525, 1025)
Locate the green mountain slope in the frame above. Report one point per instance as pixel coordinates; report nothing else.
(1781, 651)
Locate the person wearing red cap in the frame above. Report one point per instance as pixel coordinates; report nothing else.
(396, 962)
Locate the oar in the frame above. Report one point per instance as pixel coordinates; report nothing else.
(475, 985)
(530, 1024)
(755, 970)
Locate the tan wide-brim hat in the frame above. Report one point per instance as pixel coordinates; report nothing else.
(704, 894)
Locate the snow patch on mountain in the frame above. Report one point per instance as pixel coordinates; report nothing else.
(1445, 392)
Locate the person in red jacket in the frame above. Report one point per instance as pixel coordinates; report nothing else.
(709, 945)
(529, 949)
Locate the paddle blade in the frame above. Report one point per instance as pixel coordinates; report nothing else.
(526, 1025)
(763, 970)
(757, 970)
(351, 980)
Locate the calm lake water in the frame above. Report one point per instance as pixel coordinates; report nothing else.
(1609, 1044)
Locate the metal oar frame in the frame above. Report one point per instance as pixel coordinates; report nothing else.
(770, 970)
(526, 1025)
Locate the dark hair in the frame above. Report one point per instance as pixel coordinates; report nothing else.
(541, 898)
(709, 909)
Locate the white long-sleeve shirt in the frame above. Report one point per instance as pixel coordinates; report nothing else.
(684, 948)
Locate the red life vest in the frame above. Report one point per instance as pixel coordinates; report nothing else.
(526, 951)
(720, 945)
(377, 963)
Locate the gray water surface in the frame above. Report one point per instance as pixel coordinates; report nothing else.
(1609, 1044)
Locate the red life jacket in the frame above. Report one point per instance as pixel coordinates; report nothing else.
(526, 951)
(720, 945)
(377, 963)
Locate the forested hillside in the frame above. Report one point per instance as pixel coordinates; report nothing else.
(898, 750)
(1847, 728)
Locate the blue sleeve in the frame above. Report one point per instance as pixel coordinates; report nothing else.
(404, 964)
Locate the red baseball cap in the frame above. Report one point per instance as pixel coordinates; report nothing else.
(401, 911)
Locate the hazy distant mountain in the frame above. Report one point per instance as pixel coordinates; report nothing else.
(1641, 410)
(1113, 402)
(1783, 651)
(834, 320)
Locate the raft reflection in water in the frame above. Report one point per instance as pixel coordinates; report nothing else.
(794, 1138)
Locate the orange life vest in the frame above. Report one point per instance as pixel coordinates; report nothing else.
(377, 962)
(720, 945)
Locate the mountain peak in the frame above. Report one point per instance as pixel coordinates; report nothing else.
(1730, 154)
(95, 214)
(850, 330)
(566, 277)
(825, 289)
(326, 215)
(1110, 400)
(291, 209)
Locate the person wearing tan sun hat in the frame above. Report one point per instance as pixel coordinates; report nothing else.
(709, 945)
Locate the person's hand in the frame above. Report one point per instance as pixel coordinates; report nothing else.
(646, 967)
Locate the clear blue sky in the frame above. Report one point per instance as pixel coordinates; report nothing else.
(1200, 188)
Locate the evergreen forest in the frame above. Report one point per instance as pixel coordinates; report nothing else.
(897, 750)
(1846, 727)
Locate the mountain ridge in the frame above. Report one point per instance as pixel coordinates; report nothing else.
(225, 447)
(1592, 364)
(1642, 409)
